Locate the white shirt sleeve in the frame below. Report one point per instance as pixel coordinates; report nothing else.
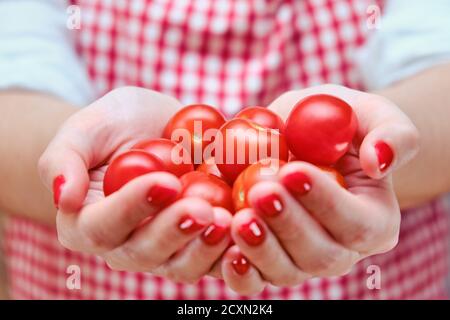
(37, 51)
(412, 36)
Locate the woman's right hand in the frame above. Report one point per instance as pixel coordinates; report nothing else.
(138, 228)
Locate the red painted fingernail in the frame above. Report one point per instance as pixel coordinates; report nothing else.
(214, 234)
(161, 195)
(240, 264)
(270, 205)
(252, 233)
(188, 225)
(58, 183)
(297, 183)
(385, 155)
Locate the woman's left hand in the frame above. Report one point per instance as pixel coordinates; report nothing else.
(305, 224)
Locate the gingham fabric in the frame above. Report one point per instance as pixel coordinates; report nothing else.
(228, 53)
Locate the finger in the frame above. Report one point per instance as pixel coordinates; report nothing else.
(387, 136)
(216, 270)
(199, 256)
(311, 248)
(262, 248)
(388, 146)
(239, 274)
(168, 232)
(107, 223)
(65, 172)
(343, 214)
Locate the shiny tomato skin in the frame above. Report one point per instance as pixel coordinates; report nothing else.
(208, 187)
(253, 137)
(335, 175)
(251, 176)
(163, 148)
(185, 118)
(320, 129)
(263, 117)
(210, 167)
(127, 166)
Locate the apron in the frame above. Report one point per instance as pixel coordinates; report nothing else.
(230, 54)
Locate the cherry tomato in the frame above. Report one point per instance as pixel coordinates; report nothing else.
(208, 187)
(262, 116)
(127, 166)
(320, 129)
(195, 120)
(335, 175)
(175, 158)
(257, 172)
(209, 166)
(242, 143)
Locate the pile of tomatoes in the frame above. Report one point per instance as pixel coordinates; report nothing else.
(219, 160)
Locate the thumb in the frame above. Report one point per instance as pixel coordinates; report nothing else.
(387, 147)
(64, 172)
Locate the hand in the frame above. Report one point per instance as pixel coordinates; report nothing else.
(134, 229)
(305, 224)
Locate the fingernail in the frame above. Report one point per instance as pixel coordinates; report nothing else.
(188, 225)
(214, 234)
(297, 183)
(240, 264)
(161, 195)
(252, 233)
(385, 155)
(58, 183)
(270, 205)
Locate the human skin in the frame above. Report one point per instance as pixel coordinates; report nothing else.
(325, 230)
(30, 121)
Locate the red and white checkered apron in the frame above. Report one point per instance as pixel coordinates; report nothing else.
(228, 53)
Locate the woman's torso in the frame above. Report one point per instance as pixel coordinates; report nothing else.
(229, 54)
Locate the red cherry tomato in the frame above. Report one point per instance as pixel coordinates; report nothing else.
(242, 143)
(257, 172)
(195, 119)
(208, 187)
(335, 175)
(174, 157)
(209, 166)
(127, 166)
(263, 117)
(320, 129)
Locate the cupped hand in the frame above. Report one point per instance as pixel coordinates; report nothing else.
(138, 228)
(304, 224)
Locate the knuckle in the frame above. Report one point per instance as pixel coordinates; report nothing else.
(287, 280)
(328, 263)
(390, 244)
(138, 258)
(361, 237)
(96, 238)
(364, 235)
(328, 207)
(114, 265)
(130, 214)
(370, 237)
(66, 242)
(183, 277)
